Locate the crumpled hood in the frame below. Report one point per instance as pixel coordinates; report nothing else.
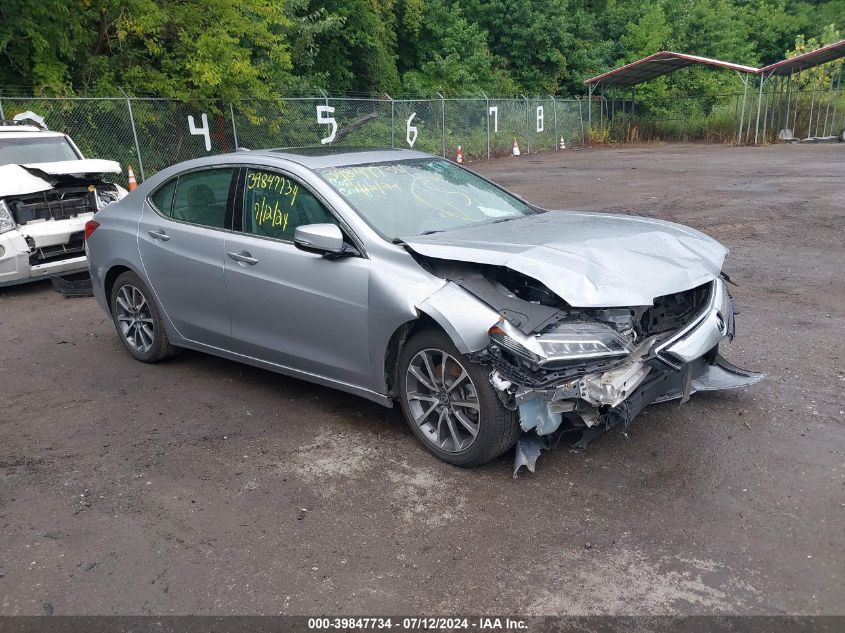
(18, 180)
(588, 259)
(81, 166)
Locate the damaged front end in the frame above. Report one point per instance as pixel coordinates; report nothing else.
(589, 369)
(42, 220)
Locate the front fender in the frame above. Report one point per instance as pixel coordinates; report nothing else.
(463, 317)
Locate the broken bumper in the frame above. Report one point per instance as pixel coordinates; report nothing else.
(49, 240)
(657, 371)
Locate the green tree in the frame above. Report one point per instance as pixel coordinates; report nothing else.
(199, 49)
(529, 37)
(361, 56)
(445, 53)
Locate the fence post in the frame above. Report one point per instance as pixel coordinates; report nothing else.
(487, 119)
(134, 133)
(442, 123)
(392, 120)
(554, 109)
(581, 119)
(3, 116)
(234, 129)
(527, 124)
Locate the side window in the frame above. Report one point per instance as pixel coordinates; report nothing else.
(163, 197)
(201, 197)
(274, 205)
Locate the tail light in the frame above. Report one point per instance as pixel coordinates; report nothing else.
(90, 227)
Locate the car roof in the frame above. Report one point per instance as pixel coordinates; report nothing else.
(323, 157)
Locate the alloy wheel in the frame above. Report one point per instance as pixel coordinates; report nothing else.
(443, 400)
(134, 318)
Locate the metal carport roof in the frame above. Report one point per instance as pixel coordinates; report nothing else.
(806, 60)
(662, 63)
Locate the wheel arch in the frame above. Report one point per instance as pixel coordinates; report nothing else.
(394, 349)
(452, 310)
(111, 277)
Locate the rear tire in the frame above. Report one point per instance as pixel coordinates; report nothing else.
(449, 403)
(137, 320)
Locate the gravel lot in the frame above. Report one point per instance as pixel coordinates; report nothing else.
(204, 486)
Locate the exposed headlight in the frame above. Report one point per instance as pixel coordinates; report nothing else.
(577, 341)
(566, 342)
(7, 222)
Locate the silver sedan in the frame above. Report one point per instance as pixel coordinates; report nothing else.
(402, 277)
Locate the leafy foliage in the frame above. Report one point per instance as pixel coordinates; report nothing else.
(240, 49)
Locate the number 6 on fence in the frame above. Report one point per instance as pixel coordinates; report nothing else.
(411, 131)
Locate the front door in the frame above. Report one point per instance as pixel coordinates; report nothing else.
(290, 307)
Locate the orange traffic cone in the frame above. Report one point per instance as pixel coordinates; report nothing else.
(133, 184)
(515, 147)
(460, 158)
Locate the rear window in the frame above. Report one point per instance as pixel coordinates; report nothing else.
(201, 197)
(19, 151)
(163, 197)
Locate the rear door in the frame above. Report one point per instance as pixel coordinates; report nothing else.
(290, 307)
(181, 239)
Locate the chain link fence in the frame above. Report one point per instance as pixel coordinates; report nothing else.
(151, 133)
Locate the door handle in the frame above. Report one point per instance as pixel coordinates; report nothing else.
(159, 235)
(243, 257)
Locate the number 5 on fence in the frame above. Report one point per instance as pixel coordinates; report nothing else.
(328, 120)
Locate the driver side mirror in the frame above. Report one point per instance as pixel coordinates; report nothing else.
(323, 239)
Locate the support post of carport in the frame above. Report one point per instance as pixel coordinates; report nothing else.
(742, 115)
(759, 105)
(788, 102)
(836, 102)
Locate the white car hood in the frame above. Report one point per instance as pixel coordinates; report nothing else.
(588, 259)
(82, 166)
(16, 180)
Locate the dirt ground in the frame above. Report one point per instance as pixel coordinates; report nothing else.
(204, 486)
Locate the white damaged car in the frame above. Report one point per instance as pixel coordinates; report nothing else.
(48, 191)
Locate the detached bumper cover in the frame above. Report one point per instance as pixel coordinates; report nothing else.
(662, 384)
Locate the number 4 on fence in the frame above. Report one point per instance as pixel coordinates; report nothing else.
(200, 131)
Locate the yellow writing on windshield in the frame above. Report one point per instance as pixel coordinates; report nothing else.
(365, 180)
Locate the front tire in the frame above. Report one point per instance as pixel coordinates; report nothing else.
(449, 403)
(138, 320)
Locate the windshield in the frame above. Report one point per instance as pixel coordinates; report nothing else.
(19, 151)
(422, 196)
